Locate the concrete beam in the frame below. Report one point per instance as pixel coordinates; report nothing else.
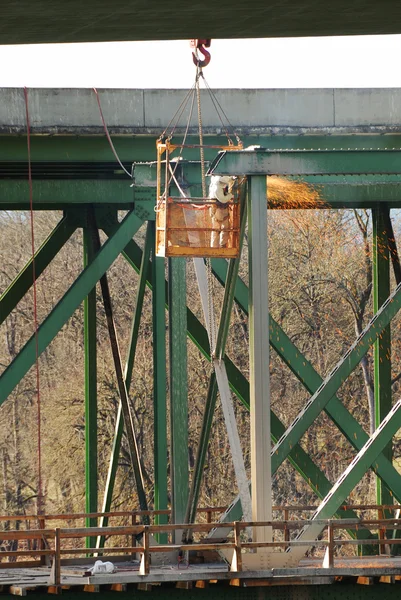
(147, 112)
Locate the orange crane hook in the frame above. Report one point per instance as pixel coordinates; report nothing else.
(201, 46)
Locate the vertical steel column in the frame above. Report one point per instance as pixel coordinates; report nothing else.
(119, 426)
(177, 302)
(159, 385)
(259, 379)
(91, 480)
(382, 347)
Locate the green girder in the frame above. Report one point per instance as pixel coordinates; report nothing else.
(68, 304)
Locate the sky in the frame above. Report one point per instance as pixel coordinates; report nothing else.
(357, 61)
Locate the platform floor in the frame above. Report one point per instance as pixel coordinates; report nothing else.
(19, 581)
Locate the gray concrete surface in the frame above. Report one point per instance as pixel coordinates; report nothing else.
(142, 112)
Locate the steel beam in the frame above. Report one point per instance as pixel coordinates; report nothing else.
(382, 346)
(43, 257)
(219, 368)
(90, 343)
(68, 304)
(119, 425)
(392, 246)
(95, 148)
(351, 476)
(307, 375)
(307, 162)
(336, 377)
(177, 301)
(239, 385)
(57, 194)
(122, 389)
(259, 364)
(229, 283)
(159, 386)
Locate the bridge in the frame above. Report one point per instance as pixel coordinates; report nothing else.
(346, 144)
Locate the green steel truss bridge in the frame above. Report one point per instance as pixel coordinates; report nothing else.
(345, 141)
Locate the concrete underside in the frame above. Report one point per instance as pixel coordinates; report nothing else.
(27, 22)
(147, 112)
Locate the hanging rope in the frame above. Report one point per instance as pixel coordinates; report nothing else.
(35, 311)
(106, 130)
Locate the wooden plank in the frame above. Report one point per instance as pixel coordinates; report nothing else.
(386, 579)
(119, 587)
(16, 590)
(365, 580)
(92, 589)
(145, 587)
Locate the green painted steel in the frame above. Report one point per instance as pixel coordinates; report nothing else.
(307, 162)
(159, 387)
(90, 346)
(353, 474)
(68, 304)
(201, 452)
(179, 470)
(382, 346)
(128, 371)
(43, 256)
(336, 377)
(68, 148)
(210, 404)
(240, 386)
(307, 375)
(95, 148)
(355, 191)
(56, 194)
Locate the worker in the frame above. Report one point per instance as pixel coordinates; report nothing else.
(220, 190)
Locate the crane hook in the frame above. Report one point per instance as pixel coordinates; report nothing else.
(201, 46)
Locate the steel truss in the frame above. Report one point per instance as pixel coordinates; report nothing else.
(348, 178)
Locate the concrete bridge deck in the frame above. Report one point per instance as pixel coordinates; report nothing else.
(251, 112)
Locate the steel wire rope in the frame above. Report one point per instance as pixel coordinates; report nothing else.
(210, 282)
(106, 130)
(35, 309)
(184, 139)
(218, 106)
(179, 110)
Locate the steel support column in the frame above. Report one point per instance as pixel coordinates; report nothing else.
(259, 380)
(91, 471)
(129, 365)
(382, 347)
(159, 386)
(178, 389)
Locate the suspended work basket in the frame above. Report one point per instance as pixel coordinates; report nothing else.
(195, 226)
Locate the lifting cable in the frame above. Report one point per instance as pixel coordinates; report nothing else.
(40, 498)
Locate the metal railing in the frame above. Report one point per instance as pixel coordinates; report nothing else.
(57, 541)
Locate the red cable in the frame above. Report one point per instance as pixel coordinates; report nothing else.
(35, 312)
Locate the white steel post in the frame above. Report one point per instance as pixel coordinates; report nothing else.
(259, 356)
